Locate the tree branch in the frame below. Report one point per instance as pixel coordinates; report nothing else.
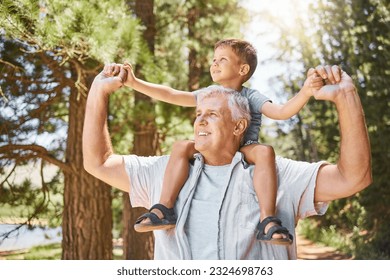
(36, 151)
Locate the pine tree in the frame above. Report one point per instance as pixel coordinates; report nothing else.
(50, 53)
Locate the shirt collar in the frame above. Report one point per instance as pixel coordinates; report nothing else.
(238, 157)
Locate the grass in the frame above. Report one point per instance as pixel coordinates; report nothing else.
(45, 252)
(326, 236)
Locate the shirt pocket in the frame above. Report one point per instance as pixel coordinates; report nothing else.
(249, 209)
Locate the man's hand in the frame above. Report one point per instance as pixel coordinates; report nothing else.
(111, 81)
(337, 82)
(113, 69)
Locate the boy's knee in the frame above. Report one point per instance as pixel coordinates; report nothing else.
(184, 147)
(266, 151)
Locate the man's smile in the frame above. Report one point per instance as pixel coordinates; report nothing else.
(203, 133)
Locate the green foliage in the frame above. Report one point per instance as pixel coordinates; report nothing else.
(359, 40)
(48, 51)
(103, 30)
(354, 35)
(329, 236)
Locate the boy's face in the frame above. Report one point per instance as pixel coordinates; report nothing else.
(226, 67)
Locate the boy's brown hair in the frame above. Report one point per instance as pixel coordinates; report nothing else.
(244, 50)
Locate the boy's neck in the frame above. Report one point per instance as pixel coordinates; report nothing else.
(236, 86)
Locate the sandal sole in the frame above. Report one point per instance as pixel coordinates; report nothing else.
(276, 241)
(150, 227)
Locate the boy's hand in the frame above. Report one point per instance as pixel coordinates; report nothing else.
(129, 81)
(313, 82)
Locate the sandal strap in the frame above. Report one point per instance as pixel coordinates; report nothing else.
(278, 228)
(169, 213)
(261, 226)
(153, 218)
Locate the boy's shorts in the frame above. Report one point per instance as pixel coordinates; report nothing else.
(250, 142)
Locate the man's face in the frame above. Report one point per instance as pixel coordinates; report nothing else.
(214, 129)
(225, 67)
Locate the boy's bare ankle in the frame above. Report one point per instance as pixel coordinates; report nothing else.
(167, 204)
(263, 216)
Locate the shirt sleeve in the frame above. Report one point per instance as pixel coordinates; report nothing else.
(299, 178)
(146, 177)
(256, 100)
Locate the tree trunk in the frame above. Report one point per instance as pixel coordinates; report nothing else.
(87, 218)
(194, 67)
(138, 246)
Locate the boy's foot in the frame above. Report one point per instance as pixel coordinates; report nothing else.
(151, 221)
(277, 229)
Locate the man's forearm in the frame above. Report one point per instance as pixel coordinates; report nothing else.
(352, 173)
(96, 140)
(99, 159)
(355, 153)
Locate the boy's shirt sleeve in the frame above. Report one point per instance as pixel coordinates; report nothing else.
(256, 99)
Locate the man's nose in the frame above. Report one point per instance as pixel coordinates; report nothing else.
(200, 120)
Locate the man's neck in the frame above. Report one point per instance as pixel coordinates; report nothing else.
(217, 160)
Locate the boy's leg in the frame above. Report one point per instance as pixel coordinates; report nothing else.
(175, 176)
(265, 185)
(176, 173)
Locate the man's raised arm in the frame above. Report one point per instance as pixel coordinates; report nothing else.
(352, 173)
(99, 158)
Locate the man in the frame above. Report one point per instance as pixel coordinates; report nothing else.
(216, 209)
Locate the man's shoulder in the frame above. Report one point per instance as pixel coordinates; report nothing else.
(281, 162)
(145, 161)
(296, 168)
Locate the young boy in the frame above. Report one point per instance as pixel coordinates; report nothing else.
(233, 64)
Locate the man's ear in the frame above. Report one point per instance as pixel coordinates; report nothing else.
(244, 69)
(240, 127)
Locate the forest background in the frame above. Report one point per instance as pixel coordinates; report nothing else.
(50, 51)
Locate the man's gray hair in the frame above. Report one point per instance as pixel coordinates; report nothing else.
(238, 104)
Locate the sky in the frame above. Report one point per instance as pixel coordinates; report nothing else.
(262, 35)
